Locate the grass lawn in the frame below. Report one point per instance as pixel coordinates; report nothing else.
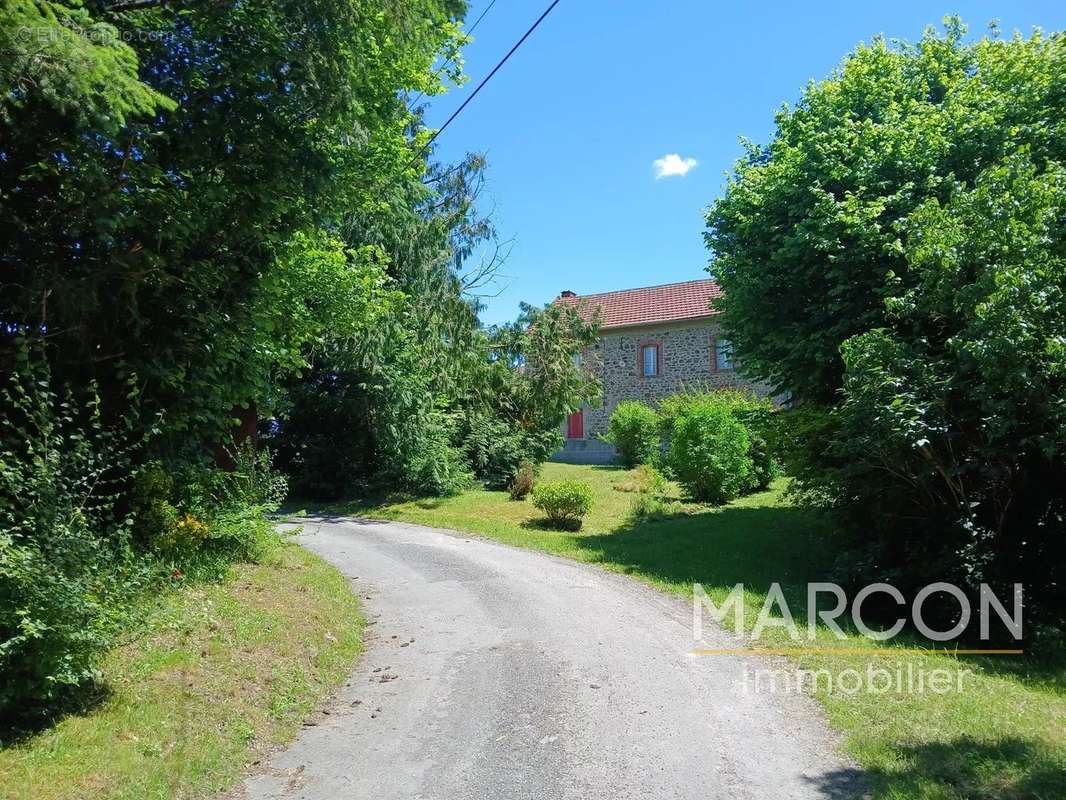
(219, 675)
(1002, 736)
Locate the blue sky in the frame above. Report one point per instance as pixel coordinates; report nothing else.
(574, 122)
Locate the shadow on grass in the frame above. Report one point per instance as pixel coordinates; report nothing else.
(548, 526)
(792, 546)
(353, 506)
(27, 721)
(1043, 666)
(1009, 769)
(756, 546)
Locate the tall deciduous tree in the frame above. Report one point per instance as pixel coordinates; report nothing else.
(809, 239)
(898, 252)
(161, 160)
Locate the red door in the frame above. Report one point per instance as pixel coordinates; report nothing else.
(575, 425)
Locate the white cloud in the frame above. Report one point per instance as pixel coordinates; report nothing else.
(672, 164)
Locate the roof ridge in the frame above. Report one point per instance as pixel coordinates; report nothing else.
(642, 288)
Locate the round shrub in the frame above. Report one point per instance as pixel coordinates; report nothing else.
(563, 502)
(634, 430)
(755, 414)
(710, 453)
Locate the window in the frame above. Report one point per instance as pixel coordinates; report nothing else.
(723, 354)
(649, 359)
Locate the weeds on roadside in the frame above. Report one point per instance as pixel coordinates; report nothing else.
(86, 531)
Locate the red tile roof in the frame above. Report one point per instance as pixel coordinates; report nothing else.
(651, 304)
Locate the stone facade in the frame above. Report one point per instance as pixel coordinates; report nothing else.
(687, 359)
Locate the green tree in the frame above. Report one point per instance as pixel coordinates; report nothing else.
(380, 407)
(155, 196)
(897, 255)
(57, 58)
(809, 239)
(176, 181)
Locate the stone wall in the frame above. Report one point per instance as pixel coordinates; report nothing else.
(687, 360)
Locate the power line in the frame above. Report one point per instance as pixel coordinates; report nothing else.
(470, 32)
(486, 79)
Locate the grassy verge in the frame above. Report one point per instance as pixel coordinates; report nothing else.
(218, 676)
(1002, 736)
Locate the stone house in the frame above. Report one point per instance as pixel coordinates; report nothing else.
(654, 341)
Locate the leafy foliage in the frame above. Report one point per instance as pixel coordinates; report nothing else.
(564, 502)
(170, 193)
(437, 467)
(541, 366)
(57, 55)
(201, 518)
(66, 566)
(634, 430)
(896, 255)
(231, 207)
(497, 450)
(811, 237)
(523, 481)
(183, 184)
(84, 530)
(374, 414)
(709, 450)
(755, 414)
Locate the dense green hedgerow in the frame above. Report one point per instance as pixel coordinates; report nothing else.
(84, 531)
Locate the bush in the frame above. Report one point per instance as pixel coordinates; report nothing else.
(201, 518)
(523, 481)
(253, 481)
(350, 429)
(563, 502)
(496, 449)
(763, 466)
(634, 430)
(799, 437)
(83, 532)
(66, 566)
(710, 451)
(437, 467)
(755, 414)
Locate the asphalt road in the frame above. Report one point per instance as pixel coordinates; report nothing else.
(495, 672)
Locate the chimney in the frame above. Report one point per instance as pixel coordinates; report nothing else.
(566, 293)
